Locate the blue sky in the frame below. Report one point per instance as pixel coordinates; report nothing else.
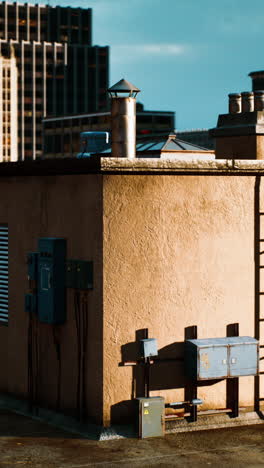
(185, 55)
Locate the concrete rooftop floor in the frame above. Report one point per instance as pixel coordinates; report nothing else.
(30, 443)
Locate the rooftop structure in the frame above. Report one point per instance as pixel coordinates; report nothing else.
(239, 134)
(174, 249)
(171, 146)
(62, 134)
(149, 249)
(197, 136)
(257, 80)
(164, 146)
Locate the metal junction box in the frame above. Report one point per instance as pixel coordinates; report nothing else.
(150, 417)
(148, 347)
(79, 274)
(31, 303)
(51, 280)
(32, 262)
(219, 358)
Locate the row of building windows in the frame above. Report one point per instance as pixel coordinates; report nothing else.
(6, 72)
(6, 94)
(51, 24)
(6, 85)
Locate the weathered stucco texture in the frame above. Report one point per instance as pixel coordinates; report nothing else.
(52, 206)
(169, 252)
(178, 252)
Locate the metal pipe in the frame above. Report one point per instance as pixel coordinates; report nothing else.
(146, 370)
(194, 402)
(200, 413)
(123, 116)
(217, 411)
(153, 360)
(176, 416)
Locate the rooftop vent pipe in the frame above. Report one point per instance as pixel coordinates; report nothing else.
(247, 101)
(259, 100)
(123, 119)
(234, 103)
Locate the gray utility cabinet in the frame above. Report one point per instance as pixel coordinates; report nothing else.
(150, 417)
(220, 358)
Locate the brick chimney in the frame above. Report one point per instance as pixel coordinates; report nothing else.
(240, 133)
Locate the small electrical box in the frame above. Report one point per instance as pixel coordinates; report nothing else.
(150, 417)
(219, 358)
(79, 274)
(31, 303)
(51, 280)
(148, 347)
(32, 263)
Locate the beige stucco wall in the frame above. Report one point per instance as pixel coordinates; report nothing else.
(260, 147)
(3, 358)
(55, 206)
(178, 251)
(169, 252)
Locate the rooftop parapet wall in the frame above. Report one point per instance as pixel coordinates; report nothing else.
(180, 165)
(101, 165)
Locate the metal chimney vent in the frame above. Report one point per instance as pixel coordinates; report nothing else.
(123, 119)
(123, 87)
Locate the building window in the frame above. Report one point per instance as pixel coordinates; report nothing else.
(3, 273)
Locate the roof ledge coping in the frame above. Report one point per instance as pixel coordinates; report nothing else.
(195, 164)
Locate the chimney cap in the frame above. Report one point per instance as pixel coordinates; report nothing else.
(256, 74)
(123, 86)
(234, 95)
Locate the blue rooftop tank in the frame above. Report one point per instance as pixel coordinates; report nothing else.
(93, 142)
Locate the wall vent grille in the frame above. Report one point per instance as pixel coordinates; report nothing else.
(3, 273)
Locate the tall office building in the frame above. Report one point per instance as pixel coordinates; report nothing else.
(47, 59)
(8, 108)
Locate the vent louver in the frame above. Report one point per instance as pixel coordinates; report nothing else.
(3, 273)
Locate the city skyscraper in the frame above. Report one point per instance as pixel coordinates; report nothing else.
(48, 67)
(8, 108)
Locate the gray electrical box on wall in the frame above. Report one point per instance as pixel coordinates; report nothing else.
(221, 358)
(150, 417)
(148, 348)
